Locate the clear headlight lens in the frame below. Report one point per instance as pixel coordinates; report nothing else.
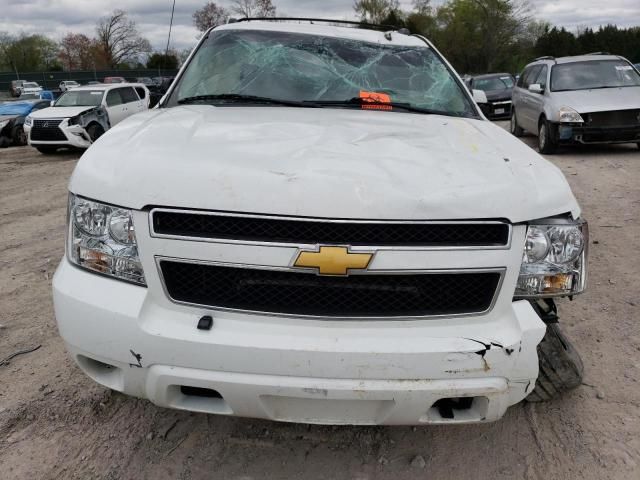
(102, 239)
(554, 262)
(569, 115)
(28, 121)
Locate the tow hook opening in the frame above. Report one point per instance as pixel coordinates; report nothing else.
(103, 373)
(199, 399)
(200, 392)
(457, 409)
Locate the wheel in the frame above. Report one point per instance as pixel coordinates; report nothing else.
(95, 131)
(516, 129)
(546, 143)
(560, 366)
(47, 150)
(18, 136)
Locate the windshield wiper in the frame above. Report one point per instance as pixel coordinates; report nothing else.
(239, 98)
(363, 102)
(593, 88)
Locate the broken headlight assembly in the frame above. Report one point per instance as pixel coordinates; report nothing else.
(102, 239)
(554, 263)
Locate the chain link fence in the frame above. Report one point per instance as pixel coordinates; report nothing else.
(51, 80)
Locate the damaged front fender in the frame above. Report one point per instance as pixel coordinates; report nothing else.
(90, 124)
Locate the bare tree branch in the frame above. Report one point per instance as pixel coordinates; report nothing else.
(119, 39)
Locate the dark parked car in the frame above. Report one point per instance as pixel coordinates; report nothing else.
(158, 89)
(12, 115)
(498, 88)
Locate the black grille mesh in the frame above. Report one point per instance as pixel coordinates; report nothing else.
(47, 131)
(616, 118)
(318, 231)
(368, 295)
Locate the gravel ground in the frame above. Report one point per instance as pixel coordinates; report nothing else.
(56, 423)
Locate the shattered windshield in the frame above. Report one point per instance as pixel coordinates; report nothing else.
(298, 67)
(80, 98)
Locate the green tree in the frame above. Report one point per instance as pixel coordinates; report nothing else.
(557, 42)
(375, 11)
(395, 18)
(160, 60)
(481, 35)
(30, 52)
(421, 20)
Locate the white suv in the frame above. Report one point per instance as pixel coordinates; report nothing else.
(67, 85)
(318, 225)
(81, 115)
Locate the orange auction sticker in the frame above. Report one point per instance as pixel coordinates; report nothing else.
(377, 100)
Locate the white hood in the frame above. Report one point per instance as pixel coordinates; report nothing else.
(59, 112)
(336, 163)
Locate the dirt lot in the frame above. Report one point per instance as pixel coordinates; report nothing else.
(55, 423)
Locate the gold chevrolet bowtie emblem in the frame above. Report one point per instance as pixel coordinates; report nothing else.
(333, 260)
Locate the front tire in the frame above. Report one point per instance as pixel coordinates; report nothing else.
(18, 136)
(516, 129)
(546, 143)
(560, 366)
(95, 131)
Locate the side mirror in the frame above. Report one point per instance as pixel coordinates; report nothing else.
(52, 103)
(536, 88)
(479, 96)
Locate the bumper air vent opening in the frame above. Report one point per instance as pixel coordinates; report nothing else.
(459, 409)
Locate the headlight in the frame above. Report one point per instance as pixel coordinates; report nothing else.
(569, 115)
(554, 262)
(28, 121)
(74, 120)
(102, 239)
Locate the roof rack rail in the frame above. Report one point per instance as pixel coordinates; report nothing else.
(598, 53)
(372, 26)
(547, 57)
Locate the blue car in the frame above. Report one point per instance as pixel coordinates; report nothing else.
(12, 115)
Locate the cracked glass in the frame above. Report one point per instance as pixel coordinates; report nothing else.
(312, 68)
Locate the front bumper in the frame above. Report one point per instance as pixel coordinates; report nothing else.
(578, 133)
(76, 136)
(299, 370)
(497, 109)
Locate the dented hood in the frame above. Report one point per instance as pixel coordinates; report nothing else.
(336, 163)
(60, 112)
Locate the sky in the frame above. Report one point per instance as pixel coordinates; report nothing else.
(55, 18)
